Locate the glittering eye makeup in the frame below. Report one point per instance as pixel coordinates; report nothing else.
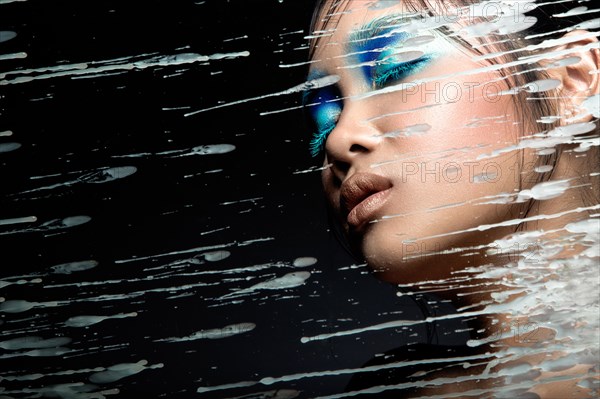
(386, 54)
(323, 108)
(390, 71)
(383, 54)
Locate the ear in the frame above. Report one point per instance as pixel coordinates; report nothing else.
(581, 79)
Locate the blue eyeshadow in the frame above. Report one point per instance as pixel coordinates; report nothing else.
(323, 108)
(374, 49)
(369, 50)
(387, 72)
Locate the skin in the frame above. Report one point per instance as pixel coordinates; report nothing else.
(428, 198)
(399, 248)
(356, 145)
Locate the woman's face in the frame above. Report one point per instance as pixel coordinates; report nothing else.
(407, 172)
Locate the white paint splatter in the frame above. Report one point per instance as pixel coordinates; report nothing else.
(381, 4)
(304, 261)
(110, 174)
(210, 149)
(592, 105)
(215, 333)
(544, 190)
(575, 11)
(8, 147)
(13, 56)
(120, 371)
(6, 35)
(20, 305)
(216, 256)
(114, 65)
(26, 219)
(85, 321)
(71, 267)
(588, 226)
(413, 130)
(543, 168)
(290, 280)
(34, 343)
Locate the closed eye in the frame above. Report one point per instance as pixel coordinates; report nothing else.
(323, 109)
(386, 73)
(326, 118)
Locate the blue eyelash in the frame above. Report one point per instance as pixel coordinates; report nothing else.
(317, 143)
(324, 117)
(401, 71)
(322, 109)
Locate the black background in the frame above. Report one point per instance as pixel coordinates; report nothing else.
(73, 124)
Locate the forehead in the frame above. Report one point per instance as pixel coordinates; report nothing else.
(333, 13)
(342, 27)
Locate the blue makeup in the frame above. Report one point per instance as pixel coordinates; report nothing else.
(323, 108)
(376, 50)
(390, 71)
(368, 50)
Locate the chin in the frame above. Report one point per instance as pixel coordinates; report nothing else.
(390, 257)
(400, 263)
(396, 260)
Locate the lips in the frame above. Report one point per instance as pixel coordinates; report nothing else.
(362, 195)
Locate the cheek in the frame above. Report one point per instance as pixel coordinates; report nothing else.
(450, 105)
(466, 129)
(396, 259)
(443, 183)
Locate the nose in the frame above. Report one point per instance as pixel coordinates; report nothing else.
(351, 141)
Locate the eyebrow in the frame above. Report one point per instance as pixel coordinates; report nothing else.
(381, 30)
(378, 29)
(368, 43)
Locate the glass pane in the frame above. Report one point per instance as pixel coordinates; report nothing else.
(219, 199)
